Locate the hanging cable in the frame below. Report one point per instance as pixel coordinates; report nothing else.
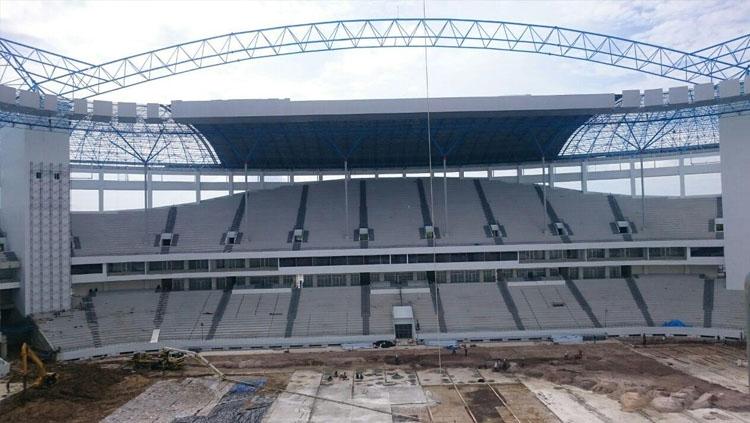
(432, 198)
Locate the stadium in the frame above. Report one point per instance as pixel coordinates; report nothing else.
(257, 225)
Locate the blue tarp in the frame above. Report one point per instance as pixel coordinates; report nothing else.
(675, 324)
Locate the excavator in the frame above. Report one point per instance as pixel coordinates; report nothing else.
(43, 377)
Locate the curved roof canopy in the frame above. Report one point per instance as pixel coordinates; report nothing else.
(283, 134)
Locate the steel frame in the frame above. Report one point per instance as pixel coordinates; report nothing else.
(31, 68)
(172, 144)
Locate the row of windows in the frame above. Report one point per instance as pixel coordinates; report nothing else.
(401, 278)
(522, 256)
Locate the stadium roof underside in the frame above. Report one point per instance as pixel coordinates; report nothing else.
(389, 141)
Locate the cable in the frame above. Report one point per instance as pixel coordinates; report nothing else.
(432, 197)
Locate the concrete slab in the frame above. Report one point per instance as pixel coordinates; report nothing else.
(327, 411)
(571, 404)
(295, 408)
(448, 407)
(493, 377)
(167, 400)
(712, 363)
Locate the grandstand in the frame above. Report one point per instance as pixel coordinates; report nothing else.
(311, 223)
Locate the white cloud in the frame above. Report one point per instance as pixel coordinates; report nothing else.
(101, 30)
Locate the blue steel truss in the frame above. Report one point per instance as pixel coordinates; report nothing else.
(27, 67)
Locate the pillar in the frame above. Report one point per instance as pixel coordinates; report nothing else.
(34, 168)
(734, 135)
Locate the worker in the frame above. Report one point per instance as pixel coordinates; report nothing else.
(466, 351)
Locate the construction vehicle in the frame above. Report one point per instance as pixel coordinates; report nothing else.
(43, 377)
(166, 359)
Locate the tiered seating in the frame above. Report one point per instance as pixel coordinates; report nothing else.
(611, 302)
(271, 214)
(325, 216)
(125, 316)
(728, 306)
(670, 218)
(517, 207)
(67, 330)
(115, 233)
(589, 215)
(424, 311)
(329, 311)
(381, 312)
(466, 220)
(254, 315)
(473, 307)
(548, 307)
(394, 212)
(201, 226)
(186, 312)
(673, 297)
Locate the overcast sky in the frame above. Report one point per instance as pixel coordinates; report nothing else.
(100, 31)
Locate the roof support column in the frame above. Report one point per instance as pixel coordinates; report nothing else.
(551, 177)
(245, 190)
(197, 186)
(231, 182)
(445, 194)
(643, 192)
(544, 192)
(147, 188)
(681, 171)
(346, 198)
(633, 191)
(100, 190)
(584, 177)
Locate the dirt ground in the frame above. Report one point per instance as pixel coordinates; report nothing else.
(84, 393)
(87, 392)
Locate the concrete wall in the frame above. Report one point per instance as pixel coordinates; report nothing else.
(734, 132)
(34, 174)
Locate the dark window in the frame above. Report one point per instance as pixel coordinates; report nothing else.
(287, 262)
(198, 264)
(85, 269)
(338, 261)
(39, 175)
(304, 261)
(356, 260)
(321, 261)
(707, 252)
(398, 259)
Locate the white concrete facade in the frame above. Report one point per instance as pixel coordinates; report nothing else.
(34, 170)
(735, 160)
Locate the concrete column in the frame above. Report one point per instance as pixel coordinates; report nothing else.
(584, 176)
(681, 172)
(34, 169)
(632, 178)
(197, 186)
(346, 198)
(231, 182)
(100, 190)
(734, 134)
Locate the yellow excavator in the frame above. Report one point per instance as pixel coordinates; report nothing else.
(43, 377)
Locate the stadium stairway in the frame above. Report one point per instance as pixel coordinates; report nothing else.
(291, 314)
(437, 305)
(300, 222)
(235, 226)
(91, 320)
(161, 308)
(585, 306)
(365, 304)
(553, 217)
(640, 302)
(221, 308)
(708, 302)
(510, 304)
(362, 213)
(426, 215)
(169, 228)
(619, 216)
(488, 214)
